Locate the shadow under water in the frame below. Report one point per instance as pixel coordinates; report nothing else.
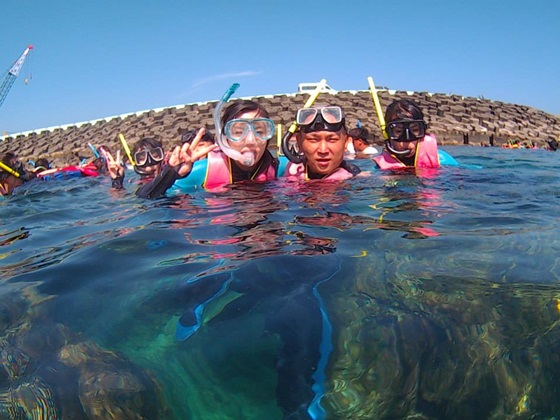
(402, 295)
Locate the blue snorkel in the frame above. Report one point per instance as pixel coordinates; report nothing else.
(94, 150)
(246, 159)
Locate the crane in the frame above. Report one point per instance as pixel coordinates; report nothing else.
(13, 74)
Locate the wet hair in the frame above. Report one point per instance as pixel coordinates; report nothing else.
(16, 166)
(242, 107)
(189, 136)
(146, 143)
(360, 133)
(42, 164)
(7, 158)
(403, 109)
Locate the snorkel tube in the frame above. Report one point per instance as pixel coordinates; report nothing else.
(246, 159)
(377, 106)
(9, 170)
(290, 151)
(94, 150)
(126, 149)
(381, 120)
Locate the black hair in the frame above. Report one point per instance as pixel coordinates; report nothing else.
(243, 107)
(403, 109)
(42, 164)
(146, 143)
(359, 133)
(189, 136)
(7, 159)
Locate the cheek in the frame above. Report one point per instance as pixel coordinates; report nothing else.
(234, 146)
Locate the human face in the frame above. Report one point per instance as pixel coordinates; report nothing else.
(202, 145)
(359, 145)
(8, 185)
(249, 144)
(324, 150)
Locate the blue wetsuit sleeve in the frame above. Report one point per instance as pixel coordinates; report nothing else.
(194, 180)
(446, 159)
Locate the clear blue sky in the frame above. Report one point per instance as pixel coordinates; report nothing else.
(94, 59)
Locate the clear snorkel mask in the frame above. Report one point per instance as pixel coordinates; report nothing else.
(246, 159)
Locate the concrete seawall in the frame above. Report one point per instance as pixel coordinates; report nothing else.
(454, 119)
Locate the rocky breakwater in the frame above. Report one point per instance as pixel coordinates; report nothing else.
(454, 119)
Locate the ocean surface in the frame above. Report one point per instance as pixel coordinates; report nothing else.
(427, 295)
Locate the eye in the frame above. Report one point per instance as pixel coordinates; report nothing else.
(238, 129)
(397, 129)
(416, 128)
(260, 128)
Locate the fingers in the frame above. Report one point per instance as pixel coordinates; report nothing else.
(197, 138)
(175, 157)
(203, 152)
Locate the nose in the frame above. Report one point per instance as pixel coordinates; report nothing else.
(323, 147)
(250, 137)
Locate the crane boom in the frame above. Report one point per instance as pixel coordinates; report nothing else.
(13, 74)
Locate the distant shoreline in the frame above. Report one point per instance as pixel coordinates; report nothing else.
(454, 119)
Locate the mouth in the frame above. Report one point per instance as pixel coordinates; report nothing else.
(323, 163)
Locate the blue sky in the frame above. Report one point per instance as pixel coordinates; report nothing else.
(108, 57)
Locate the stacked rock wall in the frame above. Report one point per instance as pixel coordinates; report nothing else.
(453, 118)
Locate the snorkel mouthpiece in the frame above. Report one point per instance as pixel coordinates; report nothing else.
(394, 151)
(247, 158)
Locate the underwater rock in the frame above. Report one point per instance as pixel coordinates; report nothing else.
(109, 386)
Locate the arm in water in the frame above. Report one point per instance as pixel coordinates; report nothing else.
(179, 166)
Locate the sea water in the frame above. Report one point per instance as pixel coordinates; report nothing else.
(430, 294)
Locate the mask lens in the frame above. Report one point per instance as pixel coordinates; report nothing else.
(263, 128)
(332, 114)
(156, 154)
(236, 130)
(141, 157)
(395, 130)
(306, 116)
(417, 129)
(406, 130)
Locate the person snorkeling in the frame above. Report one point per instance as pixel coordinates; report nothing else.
(321, 142)
(408, 143)
(240, 154)
(12, 174)
(148, 157)
(362, 145)
(206, 140)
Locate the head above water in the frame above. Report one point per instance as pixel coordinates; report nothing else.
(322, 138)
(42, 164)
(247, 129)
(405, 126)
(148, 157)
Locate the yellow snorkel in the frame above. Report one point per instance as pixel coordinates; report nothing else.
(288, 151)
(279, 140)
(126, 149)
(378, 109)
(9, 170)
